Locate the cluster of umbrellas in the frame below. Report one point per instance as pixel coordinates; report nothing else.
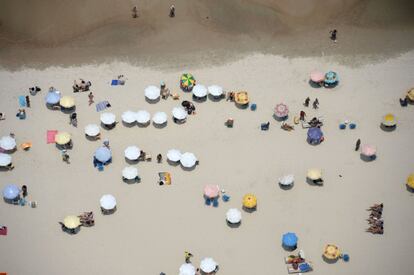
(331, 78)
(55, 98)
(187, 159)
(207, 265)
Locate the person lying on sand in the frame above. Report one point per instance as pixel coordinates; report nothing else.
(376, 206)
(376, 230)
(287, 127)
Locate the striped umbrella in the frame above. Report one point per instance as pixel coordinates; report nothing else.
(281, 110)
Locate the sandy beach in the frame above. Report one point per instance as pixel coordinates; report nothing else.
(153, 224)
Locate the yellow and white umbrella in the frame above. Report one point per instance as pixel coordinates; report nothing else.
(67, 102)
(314, 174)
(331, 252)
(62, 138)
(71, 222)
(389, 120)
(410, 94)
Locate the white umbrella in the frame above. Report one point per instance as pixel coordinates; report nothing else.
(132, 152)
(174, 155)
(130, 172)
(108, 118)
(7, 143)
(215, 90)
(159, 118)
(179, 113)
(233, 215)
(208, 265)
(187, 269)
(129, 116)
(200, 90)
(143, 117)
(287, 180)
(5, 159)
(92, 130)
(152, 92)
(188, 160)
(108, 202)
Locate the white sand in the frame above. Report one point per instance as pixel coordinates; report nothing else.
(154, 224)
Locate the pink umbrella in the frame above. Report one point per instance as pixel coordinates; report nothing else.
(281, 110)
(317, 76)
(211, 191)
(368, 150)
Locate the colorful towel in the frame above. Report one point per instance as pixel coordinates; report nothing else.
(3, 230)
(102, 105)
(50, 136)
(114, 82)
(22, 101)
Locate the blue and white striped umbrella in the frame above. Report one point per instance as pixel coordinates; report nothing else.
(11, 191)
(103, 154)
(52, 98)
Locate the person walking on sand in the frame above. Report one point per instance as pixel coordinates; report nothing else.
(357, 144)
(159, 158)
(306, 103)
(187, 256)
(134, 12)
(24, 191)
(27, 101)
(316, 104)
(172, 11)
(302, 115)
(333, 35)
(90, 96)
(106, 143)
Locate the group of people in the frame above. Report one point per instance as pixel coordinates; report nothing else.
(315, 103)
(135, 11)
(375, 219)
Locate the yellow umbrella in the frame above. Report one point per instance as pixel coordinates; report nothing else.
(241, 98)
(410, 181)
(389, 120)
(62, 138)
(67, 102)
(331, 252)
(249, 201)
(314, 174)
(410, 94)
(71, 222)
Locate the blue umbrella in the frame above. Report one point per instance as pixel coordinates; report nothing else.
(331, 77)
(290, 239)
(315, 134)
(103, 154)
(11, 192)
(52, 98)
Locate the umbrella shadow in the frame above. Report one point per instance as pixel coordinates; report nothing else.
(388, 128)
(72, 231)
(289, 248)
(233, 225)
(108, 127)
(318, 183)
(131, 181)
(152, 101)
(68, 146)
(159, 126)
(409, 189)
(143, 125)
(173, 163)
(216, 98)
(68, 110)
(199, 99)
(108, 212)
(367, 158)
(129, 125)
(315, 84)
(5, 168)
(95, 138)
(53, 107)
(286, 187)
(132, 162)
(280, 119)
(242, 106)
(249, 210)
(12, 151)
(12, 201)
(329, 261)
(188, 169)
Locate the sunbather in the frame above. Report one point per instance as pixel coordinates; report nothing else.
(287, 127)
(376, 207)
(2, 116)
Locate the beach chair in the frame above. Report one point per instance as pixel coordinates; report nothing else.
(208, 201)
(302, 268)
(265, 126)
(215, 202)
(225, 198)
(253, 107)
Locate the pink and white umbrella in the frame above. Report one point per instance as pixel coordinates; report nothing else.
(281, 110)
(211, 191)
(368, 150)
(317, 76)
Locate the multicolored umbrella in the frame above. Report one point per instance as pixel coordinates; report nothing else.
(331, 78)
(187, 81)
(281, 110)
(211, 191)
(331, 252)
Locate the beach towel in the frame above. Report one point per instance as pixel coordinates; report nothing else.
(22, 101)
(50, 136)
(114, 82)
(3, 230)
(102, 105)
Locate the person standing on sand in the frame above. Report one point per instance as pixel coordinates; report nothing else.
(172, 11)
(316, 104)
(24, 191)
(302, 115)
(357, 144)
(333, 35)
(134, 12)
(306, 103)
(90, 96)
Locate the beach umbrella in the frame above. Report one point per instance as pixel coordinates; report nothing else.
(241, 98)
(143, 117)
(233, 215)
(317, 76)
(215, 90)
(92, 130)
(187, 81)
(208, 265)
(314, 174)
(287, 180)
(130, 172)
(389, 120)
(132, 152)
(289, 239)
(368, 150)
(11, 191)
(179, 113)
(152, 92)
(71, 222)
(187, 269)
(159, 118)
(410, 181)
(67, 102)
(103, 154)
(108, 118)
(174, 155)
(108, 202)
(331, 78)
(7, 143)
(62, 138)
(53, 97)
(249, 201)
(5, 159)
(200, 90)
(188, 160)
(315, 135)
(129, 116)
(211, 191)
(331, 252)
(410, 94)
(281, 110)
